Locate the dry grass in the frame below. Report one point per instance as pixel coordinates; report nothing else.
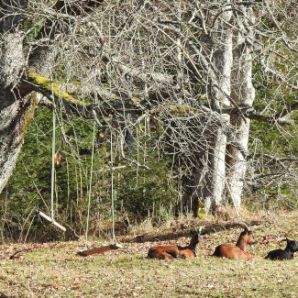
(54, 270)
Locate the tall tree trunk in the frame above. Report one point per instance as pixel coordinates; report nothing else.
(223, 60)
(16, 104)
(244, 94)
(12, 109)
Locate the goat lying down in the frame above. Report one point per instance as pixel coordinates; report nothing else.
(236, 251)
(284, 254)
(176, 251)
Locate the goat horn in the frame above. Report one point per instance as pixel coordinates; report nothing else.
(243, 225)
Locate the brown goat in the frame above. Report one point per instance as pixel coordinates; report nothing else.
(163, 252)
(175, 251)
(238, 251)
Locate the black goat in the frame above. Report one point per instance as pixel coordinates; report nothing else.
(284, 254)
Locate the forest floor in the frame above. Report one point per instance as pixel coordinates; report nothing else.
(54, 269)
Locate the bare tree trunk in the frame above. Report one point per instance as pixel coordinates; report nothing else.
(12, 109)
(244, 94)
(223, 65)
(16, 104)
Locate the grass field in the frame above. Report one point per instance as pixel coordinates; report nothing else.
(54, 270)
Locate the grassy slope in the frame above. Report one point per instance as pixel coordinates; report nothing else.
(53, 270)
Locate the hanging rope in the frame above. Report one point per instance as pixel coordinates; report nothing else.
(53, 164)
(52, 217)
(112, 187)
(90, 185)
(99, 250)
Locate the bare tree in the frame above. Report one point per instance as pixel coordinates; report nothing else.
(187, 65)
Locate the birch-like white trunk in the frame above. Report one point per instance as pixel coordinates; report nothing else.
(244, 94)
(223, 65)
